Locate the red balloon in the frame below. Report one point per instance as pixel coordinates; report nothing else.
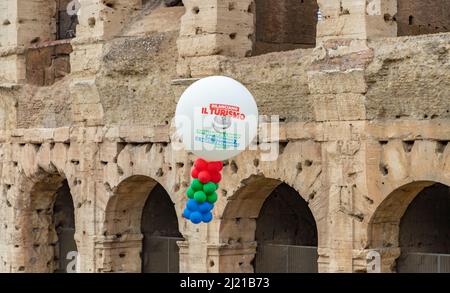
(216, 177)
(194, 172)
(214, 166)
(204, 177)
(201, 164)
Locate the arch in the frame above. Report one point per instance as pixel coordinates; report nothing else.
(248, 217)
(49, 226)
(418, 17)
(394, 217)
(284, 25)
(140, 219)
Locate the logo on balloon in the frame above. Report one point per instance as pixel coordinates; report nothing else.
(216, 118)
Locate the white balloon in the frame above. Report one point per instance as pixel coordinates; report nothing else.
(216, 118)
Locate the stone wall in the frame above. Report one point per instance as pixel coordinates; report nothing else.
(363, 128)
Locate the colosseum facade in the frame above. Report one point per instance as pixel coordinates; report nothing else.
(360, 90)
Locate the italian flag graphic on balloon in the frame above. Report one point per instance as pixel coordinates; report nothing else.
(216, 119)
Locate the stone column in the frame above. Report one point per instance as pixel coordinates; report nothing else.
(211, 30)
(338, 86)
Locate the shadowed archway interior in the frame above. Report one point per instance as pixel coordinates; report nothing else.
(160, 252)
(425, 232)
(285, 232)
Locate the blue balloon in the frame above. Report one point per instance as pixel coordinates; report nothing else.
(196, 217)
(187, 213)
(207, 217)
(205, 207)
(192, 205)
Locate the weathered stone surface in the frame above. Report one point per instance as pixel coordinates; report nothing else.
(363, 126)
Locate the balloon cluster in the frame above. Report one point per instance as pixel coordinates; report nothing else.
(202, 192)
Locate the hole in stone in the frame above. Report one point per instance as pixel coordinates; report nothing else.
(91, 22)
(282, 146)
(109, 4)
(211, 263)
(21, 268)
(179, 165)
(410, 20)
(256, 162)
(312, 195)
(234, 167)
(6, 22)
(104, 163)
(231, 6)
(196, 10)
(299, 167)
(408, 145)
(159, 173)
(122, 254)
(308, 163)
(383, 142)
(441, 145)
(384, 169)
(233, 36)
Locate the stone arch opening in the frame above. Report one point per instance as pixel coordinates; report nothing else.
(268, 227)
(411, 229)
(284, 25)
(51, 227)
(418, 17)
(142, 227)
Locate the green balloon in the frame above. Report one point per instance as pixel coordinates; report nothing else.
(217, 185)
(196, 185)
(200, 196)
(190, 193)
(212, 198)
(209, 188)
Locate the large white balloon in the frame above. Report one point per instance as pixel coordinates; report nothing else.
(216, 118)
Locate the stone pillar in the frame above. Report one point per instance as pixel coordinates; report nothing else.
(211, 29)
(338, 86)
(357, 19)
(113, 255)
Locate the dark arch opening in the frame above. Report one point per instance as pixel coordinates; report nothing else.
(286, 234)
(64, 223)
(418, 17)
(285, 25)
(424, 236)
(159, 225)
